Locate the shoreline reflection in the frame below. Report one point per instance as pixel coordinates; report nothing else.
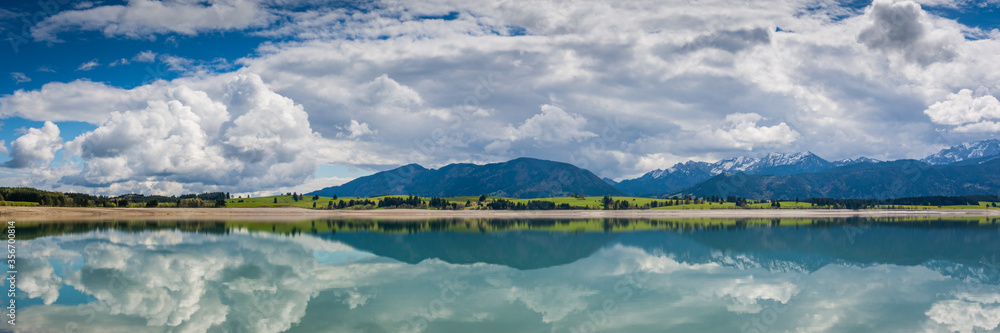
(512, 275)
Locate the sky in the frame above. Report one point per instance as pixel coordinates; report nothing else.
(265, 96)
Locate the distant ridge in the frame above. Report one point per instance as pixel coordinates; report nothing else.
(682, 175)
(518, 178)
(965, 169)
(894, 179)
(849, 161)
(689, 174)
(965, 151)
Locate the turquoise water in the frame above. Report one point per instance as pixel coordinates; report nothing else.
(835, 276)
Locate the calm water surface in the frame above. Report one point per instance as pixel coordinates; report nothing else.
(511, 276)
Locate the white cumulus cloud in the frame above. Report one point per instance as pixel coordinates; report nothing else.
(37, 147)
(552, 125)
(967, 113)
(902, 26)
(356, 130)
(148, 18)
(250, 138)
(744, 133)
(654, 81)
(145, 56)
(79, 100)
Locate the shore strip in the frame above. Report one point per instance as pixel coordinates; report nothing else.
(70, 214)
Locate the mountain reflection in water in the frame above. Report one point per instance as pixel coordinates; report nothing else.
(832, 275)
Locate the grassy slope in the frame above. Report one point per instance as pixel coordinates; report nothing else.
(18, 203)
(982, 205)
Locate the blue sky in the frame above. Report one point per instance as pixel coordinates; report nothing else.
(620, 90)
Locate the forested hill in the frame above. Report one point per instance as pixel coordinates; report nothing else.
(518, 178)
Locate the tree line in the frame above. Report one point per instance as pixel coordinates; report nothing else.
(503, 204)
(939, 201)
(69, 199)
(218, 199)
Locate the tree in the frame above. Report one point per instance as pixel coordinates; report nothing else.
(482, 198)
(191, 202)
(621, 204)
(220, 203)
(316, 197)
(438, 203)
(228, 196)
(314, 205)
(275, 199)
(334, 197)
(607, 201)
(149, 204)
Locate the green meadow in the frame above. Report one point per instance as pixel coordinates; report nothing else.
(18, 203)
(285, 201)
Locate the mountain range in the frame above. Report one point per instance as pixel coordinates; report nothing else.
(966, 169)
(777, 249)
(683, 175)
(965, 151)
(895, 179)
(518, 178)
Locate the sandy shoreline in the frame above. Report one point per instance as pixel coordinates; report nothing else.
(66, 214)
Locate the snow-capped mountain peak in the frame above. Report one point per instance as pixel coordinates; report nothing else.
(783, 163)
(658, 173)
(685, 174)
(965, 151)
(679, 168)
(753, 165)
(740, 163)
(861, 159)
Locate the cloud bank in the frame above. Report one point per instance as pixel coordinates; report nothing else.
(248, 138)
(148, 18)
(618, 88)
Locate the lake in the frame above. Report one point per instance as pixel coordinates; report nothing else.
(612, 275)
